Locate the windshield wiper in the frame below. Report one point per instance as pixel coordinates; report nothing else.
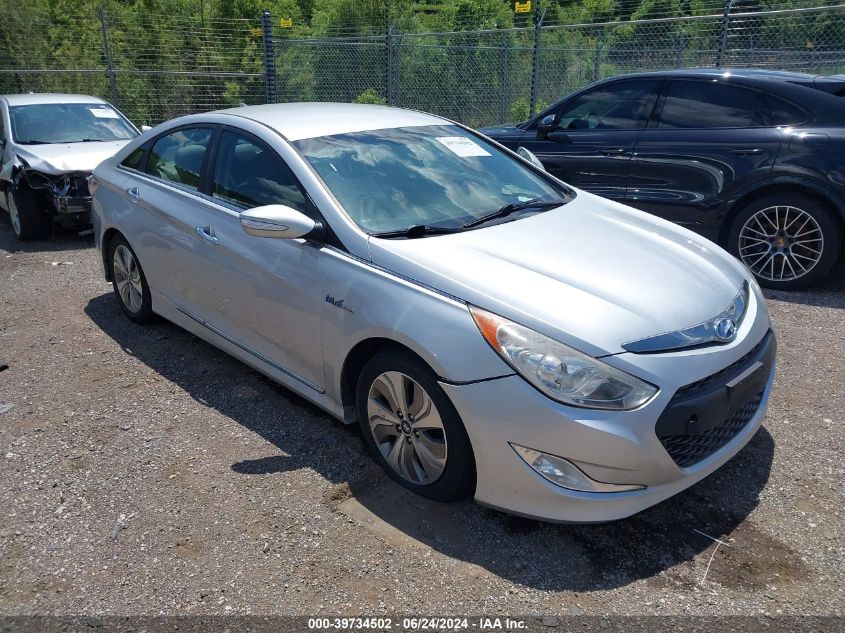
(418, 230)
(513, 207)
(35, 142)
(92, 140)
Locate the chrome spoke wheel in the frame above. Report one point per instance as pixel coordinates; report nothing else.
(780, 243)
(127, 278)
(407, 428)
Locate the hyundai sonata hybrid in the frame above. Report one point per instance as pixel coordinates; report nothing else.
(492, 330)
(49, 144)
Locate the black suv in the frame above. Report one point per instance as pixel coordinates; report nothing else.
(752, 159)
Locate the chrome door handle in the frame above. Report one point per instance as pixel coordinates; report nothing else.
(133, 194)
(613, 151)
(205, 233)
(747, 150)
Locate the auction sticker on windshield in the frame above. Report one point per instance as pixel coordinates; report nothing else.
(462, 146)
(103, 113)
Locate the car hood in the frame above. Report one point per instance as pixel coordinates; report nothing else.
(593, 273)
(62, 158)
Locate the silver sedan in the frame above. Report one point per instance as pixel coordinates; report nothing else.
(493, 331)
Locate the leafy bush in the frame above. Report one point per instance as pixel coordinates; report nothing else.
(521, 109)
(370, 96)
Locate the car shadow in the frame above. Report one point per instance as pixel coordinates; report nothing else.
(830, 293)
(62, 240)
(531, 553)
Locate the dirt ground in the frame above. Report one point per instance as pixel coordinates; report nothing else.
(144, 472)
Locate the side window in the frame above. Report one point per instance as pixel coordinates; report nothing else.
(784, 113)
(133, 161)
(178, 156)
(707, 104)
(249, 174)
(616, 106)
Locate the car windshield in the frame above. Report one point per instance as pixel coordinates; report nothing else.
(68, 123)
(438, 176)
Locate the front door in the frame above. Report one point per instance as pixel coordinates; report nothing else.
(594, 134)
(267, 294)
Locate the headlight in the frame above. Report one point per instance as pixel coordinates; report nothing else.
(559, 371)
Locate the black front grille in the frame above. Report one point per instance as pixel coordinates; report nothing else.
(687, 450)
(714, 378)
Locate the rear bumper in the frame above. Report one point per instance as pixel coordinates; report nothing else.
(610, 447)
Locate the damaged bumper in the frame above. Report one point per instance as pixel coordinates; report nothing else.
(67, 194)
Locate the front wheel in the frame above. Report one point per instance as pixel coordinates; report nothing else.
(412, 429)
(789, 241)
(27, 210)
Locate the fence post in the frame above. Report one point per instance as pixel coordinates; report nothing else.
(535, 63)
(723, 38)
(505, 92)
(101, 14)
(597, 59)
(388, 42)
(680, 53)
(269, 58)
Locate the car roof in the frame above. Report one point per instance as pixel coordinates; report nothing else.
(48, 97)
(750, 73)
(297, 121)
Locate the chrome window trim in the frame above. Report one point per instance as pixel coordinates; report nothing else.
(179, 188)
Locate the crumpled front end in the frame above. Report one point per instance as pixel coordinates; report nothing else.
(67, 194)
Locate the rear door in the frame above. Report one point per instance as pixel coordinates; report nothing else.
(594, 134)
(169, 207)
(706, 139)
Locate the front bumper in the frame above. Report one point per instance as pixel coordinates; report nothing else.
(615, 447)
(72, 205)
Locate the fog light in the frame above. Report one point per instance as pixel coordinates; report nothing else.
(565, 474)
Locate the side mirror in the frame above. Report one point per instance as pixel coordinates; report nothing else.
(146, 128)
(276, 220)
(546, 125)
(528, 155)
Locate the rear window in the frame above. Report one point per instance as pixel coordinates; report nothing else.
(135, 158)
(708, 104)
(178, 156)
(785, 113)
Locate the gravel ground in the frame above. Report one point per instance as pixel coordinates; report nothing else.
(143, 472)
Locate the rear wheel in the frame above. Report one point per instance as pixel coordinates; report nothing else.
(128, 280)
(27, 210)
(788, 241)
(412, 429)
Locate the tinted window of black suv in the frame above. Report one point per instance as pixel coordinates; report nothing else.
(705, 104)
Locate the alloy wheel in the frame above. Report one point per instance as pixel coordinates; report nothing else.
(127, 278)
(781, 243)
(407, 428)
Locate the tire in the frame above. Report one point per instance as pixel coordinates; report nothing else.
(28, 213)
(797, 253)
(414, 438)
(129, 282)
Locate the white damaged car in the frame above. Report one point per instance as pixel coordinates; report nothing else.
(49, 145)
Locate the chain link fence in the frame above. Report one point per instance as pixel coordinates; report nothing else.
(155, 67)
(490, 76)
